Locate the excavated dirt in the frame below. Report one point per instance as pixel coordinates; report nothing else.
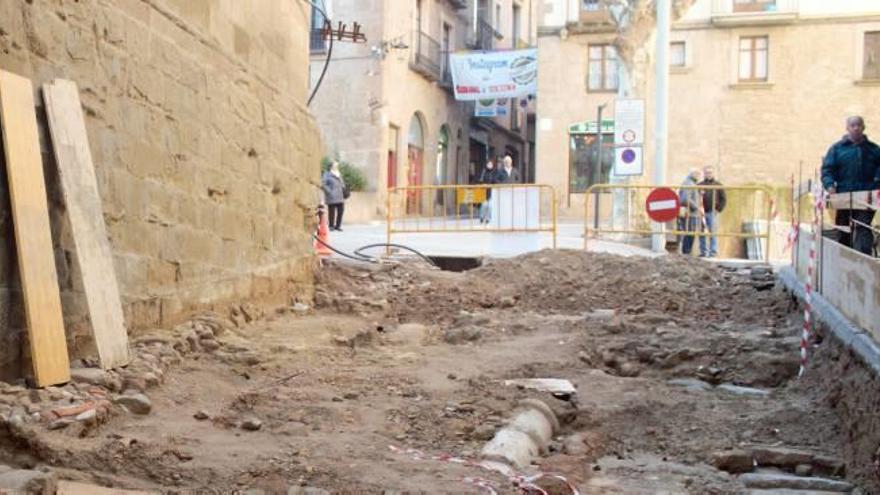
(403, 356)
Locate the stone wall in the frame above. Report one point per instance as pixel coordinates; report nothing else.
(204, 150)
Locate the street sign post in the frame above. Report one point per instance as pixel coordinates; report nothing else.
(662, 205)
(629, 137)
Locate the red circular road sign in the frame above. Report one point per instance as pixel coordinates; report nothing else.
(662, 205)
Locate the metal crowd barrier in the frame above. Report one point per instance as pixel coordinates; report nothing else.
(463, 209)
(748, 215)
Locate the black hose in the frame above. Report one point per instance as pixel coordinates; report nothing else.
(399, 246)
(329, 24)
(359, 257)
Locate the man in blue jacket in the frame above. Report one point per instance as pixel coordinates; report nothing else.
(853, 164)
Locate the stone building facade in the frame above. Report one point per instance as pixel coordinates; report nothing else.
(205, 152)
(757, 87)
(387, 106)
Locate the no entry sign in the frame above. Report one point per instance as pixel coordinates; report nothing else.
(662, 205)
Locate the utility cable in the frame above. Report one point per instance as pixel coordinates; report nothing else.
(399, 246)
(328, 23)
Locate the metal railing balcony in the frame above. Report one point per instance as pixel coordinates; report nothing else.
(484, 36)
(426, 56)
(446, 72)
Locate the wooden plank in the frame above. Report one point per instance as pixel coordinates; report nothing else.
(30, 215)
(80, 187)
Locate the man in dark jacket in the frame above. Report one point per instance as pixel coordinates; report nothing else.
(508, 174)
(853, 164)
(714, 201)
(488, 176)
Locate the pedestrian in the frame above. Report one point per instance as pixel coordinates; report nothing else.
(335, 193)
(690, 211)
(489, 175)
(714, 201)
(508, 174)
(853, 164)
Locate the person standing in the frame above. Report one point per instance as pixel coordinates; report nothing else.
(334, 195)
(691, 210)
(714, 201)
(488, 176)
(508, 174)
(853, 164)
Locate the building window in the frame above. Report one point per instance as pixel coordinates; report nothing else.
(498, 17)
(754, 5)
(677, 54)
(590, 5)
(753, 58)
(872, 55)
(517, 26)
(317, 43)
(585, 168)
(515, 122)
(603, 68)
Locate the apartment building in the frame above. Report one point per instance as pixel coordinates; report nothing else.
(757, 87)
(387, 106)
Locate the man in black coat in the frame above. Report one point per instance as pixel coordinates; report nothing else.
(714, 201)
(853, 164)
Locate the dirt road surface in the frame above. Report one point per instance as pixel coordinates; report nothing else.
(685, 376)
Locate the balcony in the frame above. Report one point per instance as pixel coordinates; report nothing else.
(752, 12)
(484, 36)
(426, 56)
(446, 74)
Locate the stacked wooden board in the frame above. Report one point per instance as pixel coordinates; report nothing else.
(30, 213)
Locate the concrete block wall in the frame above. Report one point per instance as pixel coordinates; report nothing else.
(204, 150)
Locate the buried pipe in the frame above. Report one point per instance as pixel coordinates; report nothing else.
(525, 437)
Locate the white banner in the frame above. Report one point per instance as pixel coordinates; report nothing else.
(484, 75)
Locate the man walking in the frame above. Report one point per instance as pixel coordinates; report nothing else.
(853, 164)
(714, 201)
(508, 174)
(691, 210)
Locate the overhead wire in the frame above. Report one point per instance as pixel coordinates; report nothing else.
(327, 22)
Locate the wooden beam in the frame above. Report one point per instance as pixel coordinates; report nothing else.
(80, 187)
(30, 214)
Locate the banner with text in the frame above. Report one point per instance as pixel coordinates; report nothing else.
(484, 75)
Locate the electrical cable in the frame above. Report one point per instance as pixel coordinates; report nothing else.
(327, 22)
(359, 257)
(399, 246)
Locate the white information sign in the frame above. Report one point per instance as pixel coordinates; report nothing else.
(629, 137)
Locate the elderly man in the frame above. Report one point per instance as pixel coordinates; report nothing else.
(853, 164)
(691, 211)
(508, 174)
(714, 201)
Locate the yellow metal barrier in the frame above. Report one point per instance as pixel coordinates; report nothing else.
(746, 205)
(466, 208)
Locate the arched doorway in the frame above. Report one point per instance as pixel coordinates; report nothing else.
(415, 161)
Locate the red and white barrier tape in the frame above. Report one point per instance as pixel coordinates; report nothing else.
(526, 484)
(818, 205)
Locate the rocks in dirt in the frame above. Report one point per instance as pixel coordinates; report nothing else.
(89, 417)
(27, 481)
(202, 415)
(60, 424)
(744, 391)
(483, 433)
(792, 482)
(251, 424)
(306, 490)
(803, 470)
(680, 356)
(733, 461)
(525, 436)
(91, 376)
(135, 403)
(300, 308)
(691, 384)
(462, 335)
